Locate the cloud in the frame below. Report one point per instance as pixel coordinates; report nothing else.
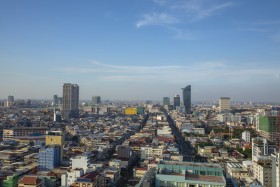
(198, 9)
(156, 19)
(182, 34)
(197, 72)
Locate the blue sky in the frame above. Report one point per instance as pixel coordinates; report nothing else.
(141, 49)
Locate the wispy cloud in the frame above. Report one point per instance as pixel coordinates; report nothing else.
(182, 34)
(175, 15)
(197, 72)
(198, 9)
(156, 19)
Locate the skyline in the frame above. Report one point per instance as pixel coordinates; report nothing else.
(141, 50)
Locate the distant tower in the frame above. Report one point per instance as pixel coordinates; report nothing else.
(70, 104)
(55, 100)
(176, 101)
(10, 101)
(224, 104)
(187, 98)
(96, 100)
(166, 101)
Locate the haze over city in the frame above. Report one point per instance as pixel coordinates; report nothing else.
(136, 50)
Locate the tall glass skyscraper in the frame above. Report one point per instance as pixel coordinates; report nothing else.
(176, 101)
(70, 104)
(187, 98)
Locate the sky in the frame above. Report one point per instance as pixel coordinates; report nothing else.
(141, 49)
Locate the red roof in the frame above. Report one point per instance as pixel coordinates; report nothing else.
(30, 180)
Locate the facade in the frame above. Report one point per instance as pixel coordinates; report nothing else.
(237, 171)
(71, 176)
(124, 152)
(93, 179)
(55, 100)
(246, 136)
(189, 174)
(96, 100)
(21, 132)
(55, 138)
(276, 169)
(151, 152)
(224, 104)
(134, 110)
(262, 171)
(261, 147)
(49, 158)
(269, 127)
(166, 101)
(70, 105)
(176, 101)
(130, 111)
(187, 98)
(81, 161)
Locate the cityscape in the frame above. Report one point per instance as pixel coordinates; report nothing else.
(148, 93)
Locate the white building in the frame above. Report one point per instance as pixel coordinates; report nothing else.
(163, 130)
(276, 169)
(261, 147)
(224, 104)
(81, 161)
(151, 152)
(199, 130)
(246, 136)
(71, 176)
(263, 170)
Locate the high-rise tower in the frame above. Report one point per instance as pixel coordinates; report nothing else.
(224, 104)
(70, 104)
(187, 98)
(176, 101)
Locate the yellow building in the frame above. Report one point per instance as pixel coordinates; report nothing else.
(54, 138)
(130, 111)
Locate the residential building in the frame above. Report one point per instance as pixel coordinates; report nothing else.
(237, 171)
(151, 152)
(276, 169)
(269, 127)
(246, 136)
(262, 169)
(55, 138)
(70, 105)
(224, 104)
(96, 100)
(261, 147)
(24, 132)
(81, 161)
(92, 179)
(71, 176)
(166, 101)
(191, 174)
(49, 158)
(187, 98)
